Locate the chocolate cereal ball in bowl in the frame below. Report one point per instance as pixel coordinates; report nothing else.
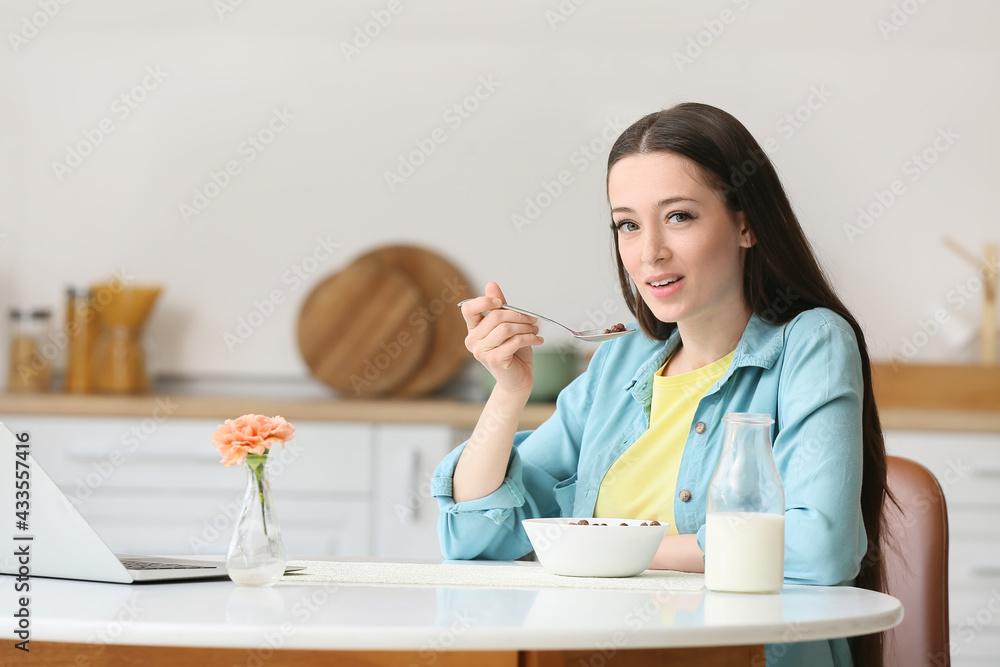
(594, 547)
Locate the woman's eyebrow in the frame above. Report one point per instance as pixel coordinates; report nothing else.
(659, 204)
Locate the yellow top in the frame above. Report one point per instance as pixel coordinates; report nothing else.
(641, 483)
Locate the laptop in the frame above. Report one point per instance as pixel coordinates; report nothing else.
(48, 537)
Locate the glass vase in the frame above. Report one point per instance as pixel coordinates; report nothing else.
(256, 556)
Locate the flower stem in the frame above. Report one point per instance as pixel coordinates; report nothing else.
(256, 463)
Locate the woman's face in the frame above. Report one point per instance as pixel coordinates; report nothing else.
(677, 239)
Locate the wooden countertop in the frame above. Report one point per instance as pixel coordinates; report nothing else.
(937, 387)
(944, 398)
(435, 411)
(398, 411)
(937, 397)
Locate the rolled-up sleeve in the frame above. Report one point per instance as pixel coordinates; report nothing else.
(540, 460)
(818, 451)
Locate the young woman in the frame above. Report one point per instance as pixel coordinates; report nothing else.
(735, 316)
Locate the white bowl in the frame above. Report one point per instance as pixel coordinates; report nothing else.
(594, 551)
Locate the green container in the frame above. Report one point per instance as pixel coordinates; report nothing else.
(554, 369)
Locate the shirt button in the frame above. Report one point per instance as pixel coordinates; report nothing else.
(699, 427)
(684, 495)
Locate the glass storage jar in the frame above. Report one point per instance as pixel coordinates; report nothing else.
(31, 353)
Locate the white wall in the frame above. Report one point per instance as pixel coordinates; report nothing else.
(560, 86)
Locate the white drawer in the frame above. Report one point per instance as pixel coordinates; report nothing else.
(975, 608)
(975, 521)
(327, 528)
(203, 524)
(967, 465)
(974, 562)
(975, 646)
(405, 456)
(963, 660)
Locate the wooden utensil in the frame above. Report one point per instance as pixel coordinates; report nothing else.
(119, 357)
(987, 266)
(443, 285)
(354, 331)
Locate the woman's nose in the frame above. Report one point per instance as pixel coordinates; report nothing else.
(653, 248)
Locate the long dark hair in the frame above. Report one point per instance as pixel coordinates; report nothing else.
(781, 279)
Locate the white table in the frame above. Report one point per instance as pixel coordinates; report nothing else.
(217, 622)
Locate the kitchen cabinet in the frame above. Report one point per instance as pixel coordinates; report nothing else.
(359, 484)
(341, 489)
(405, 457)
(967, 465)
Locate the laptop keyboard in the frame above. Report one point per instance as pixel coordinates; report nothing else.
(136, 564)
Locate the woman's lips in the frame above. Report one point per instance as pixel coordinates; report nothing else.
(667, 290)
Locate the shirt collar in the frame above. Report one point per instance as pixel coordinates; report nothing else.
(760, 345)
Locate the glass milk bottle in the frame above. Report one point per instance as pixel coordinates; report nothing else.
(745, 511)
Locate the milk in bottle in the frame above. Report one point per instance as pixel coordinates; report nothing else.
(745, 511)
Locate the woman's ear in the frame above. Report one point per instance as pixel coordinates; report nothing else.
(747, 238)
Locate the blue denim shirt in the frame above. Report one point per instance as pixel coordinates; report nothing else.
(806, 374)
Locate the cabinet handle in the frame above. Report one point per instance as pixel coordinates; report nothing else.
(409, 502)
(985, 571)
(986, 471)
(413, 486)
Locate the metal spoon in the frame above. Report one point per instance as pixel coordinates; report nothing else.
(590, 335)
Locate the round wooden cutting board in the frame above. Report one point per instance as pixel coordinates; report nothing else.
(354, 331)
(443, 286)
(387, 324)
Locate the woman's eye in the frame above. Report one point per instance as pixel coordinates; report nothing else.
(679, 216)
(626, 226)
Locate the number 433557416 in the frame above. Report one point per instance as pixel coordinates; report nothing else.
(22, 473)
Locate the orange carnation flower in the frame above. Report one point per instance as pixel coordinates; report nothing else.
(250, 434)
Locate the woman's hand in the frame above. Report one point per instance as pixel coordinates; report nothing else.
(679, 552)
(501, 340)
